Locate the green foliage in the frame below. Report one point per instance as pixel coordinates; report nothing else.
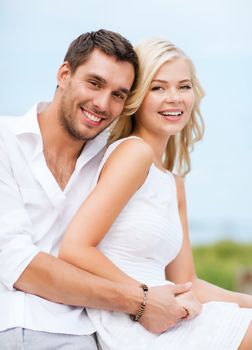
(219, 263)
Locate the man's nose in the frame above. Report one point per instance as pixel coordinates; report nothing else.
(101, 101)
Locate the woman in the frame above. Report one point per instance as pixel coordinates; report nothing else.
(133, 226)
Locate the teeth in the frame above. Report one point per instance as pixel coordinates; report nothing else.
(91, 116)
(172, 114)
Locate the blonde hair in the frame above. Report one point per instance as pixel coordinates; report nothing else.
(152, 55)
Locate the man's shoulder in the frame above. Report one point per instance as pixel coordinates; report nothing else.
(8, 120)
(7, 127)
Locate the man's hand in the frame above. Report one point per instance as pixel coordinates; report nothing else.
(162, 309)
(190, 303)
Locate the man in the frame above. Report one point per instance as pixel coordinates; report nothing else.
(48, 159)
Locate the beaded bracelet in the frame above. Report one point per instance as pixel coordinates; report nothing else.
(140, 312)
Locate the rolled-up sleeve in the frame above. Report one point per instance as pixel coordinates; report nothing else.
(16, 246)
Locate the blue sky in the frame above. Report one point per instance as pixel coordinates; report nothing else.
(34, 36)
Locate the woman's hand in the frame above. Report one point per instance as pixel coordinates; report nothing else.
(162, 310)
(190, 303)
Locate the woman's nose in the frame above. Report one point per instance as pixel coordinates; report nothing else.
(173, 95)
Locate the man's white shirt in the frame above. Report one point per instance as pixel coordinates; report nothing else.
(34, 213)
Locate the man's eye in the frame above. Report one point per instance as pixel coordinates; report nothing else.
(119, 95)
(94, 83)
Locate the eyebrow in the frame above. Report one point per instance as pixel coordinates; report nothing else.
(104, 81)
(97, 77)
(167, 82)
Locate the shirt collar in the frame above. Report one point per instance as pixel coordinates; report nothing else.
(91, 148)
(29, 123)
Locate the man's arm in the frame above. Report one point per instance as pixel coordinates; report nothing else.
(58, 281)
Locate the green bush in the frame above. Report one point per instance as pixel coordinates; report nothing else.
(219, 263)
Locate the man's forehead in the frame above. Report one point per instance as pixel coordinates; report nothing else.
(98, 57)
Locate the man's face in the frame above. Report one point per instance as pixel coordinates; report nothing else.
(94, 95)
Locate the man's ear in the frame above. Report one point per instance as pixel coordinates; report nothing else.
(63, 75)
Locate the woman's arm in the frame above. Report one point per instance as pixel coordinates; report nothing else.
(183, 269)
(122, 175)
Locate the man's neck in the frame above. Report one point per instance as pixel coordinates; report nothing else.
(60, 150)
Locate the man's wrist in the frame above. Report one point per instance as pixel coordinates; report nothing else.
(140, 311)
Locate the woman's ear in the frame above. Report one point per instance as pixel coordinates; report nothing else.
(63, 75)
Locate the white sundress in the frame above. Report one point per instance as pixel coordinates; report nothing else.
(145, 237)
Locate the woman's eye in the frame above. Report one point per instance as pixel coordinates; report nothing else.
(157, 88)
(185, 87)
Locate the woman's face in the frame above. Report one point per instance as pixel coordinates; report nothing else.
(169, 102)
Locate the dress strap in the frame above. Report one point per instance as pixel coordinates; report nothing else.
(107, 153)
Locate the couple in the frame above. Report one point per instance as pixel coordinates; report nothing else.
(124, 246)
